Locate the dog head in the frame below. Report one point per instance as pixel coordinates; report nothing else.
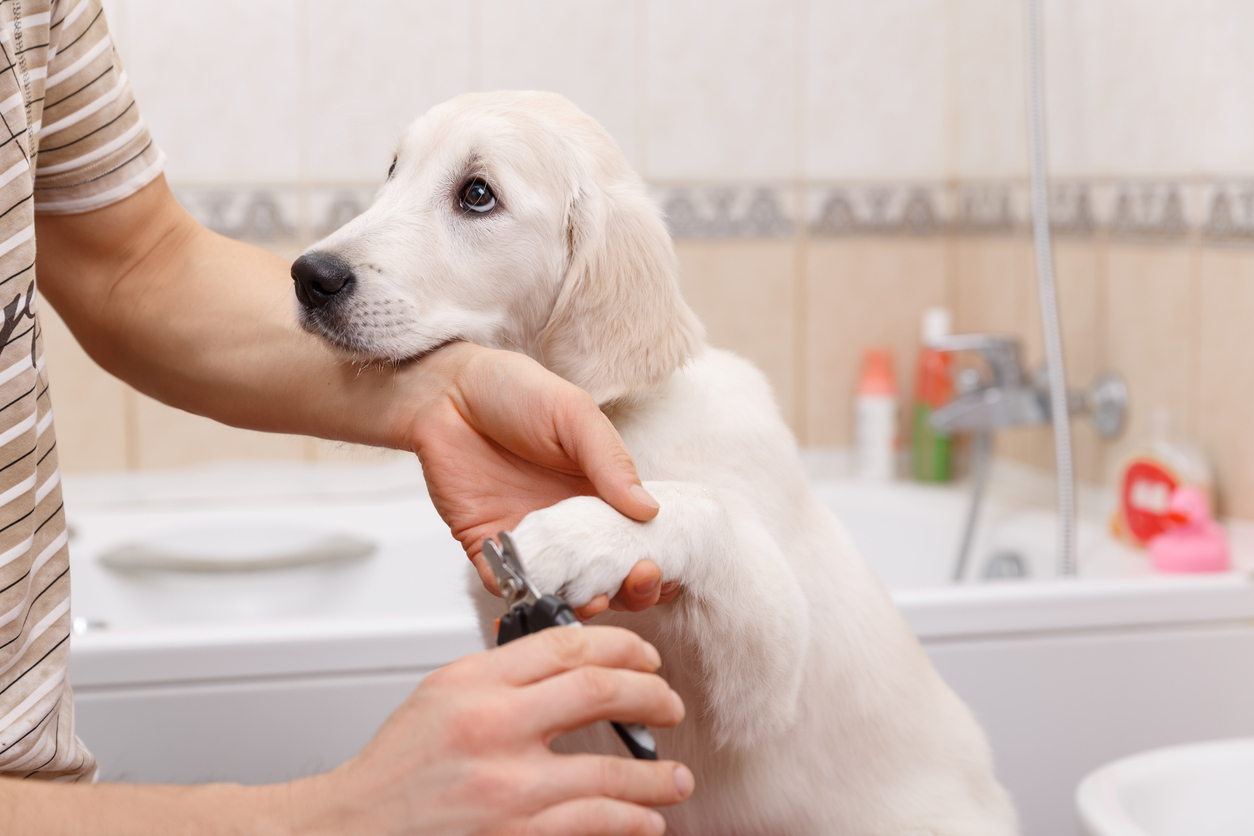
(510, 220)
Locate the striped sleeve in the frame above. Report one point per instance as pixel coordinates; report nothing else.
(94, 148)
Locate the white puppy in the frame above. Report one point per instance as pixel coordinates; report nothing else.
(511, 220)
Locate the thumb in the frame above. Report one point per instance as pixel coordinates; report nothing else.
(598, 450)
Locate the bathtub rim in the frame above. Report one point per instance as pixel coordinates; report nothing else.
(303, 647)
(1006, 608)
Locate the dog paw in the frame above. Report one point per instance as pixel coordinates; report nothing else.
(577, 549)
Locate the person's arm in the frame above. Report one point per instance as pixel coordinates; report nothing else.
(466, 753)
(208, 325)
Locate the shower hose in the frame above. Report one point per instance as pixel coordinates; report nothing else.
(1047, 290)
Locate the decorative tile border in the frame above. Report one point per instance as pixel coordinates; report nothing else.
(844, 209)
(1071, 209)
(263, 213)
(1219, 211)
(1230, 212)
(989, 208)
(1158, 210)
(331, 208)
(749, 211)
(277, 213)
(1150, 210)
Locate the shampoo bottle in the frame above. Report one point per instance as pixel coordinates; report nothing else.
(1150, 475)
(875, 431)
(933, 388)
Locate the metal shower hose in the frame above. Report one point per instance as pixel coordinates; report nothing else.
(1060, 412)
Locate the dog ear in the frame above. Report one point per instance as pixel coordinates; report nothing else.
(620, 323)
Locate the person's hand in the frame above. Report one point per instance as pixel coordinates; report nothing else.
(505, 437)
(468, 752)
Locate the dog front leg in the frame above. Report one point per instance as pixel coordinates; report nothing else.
(743, 614)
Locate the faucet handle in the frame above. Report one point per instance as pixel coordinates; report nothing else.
(1001, 351)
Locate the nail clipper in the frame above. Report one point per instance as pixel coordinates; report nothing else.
(530, 612)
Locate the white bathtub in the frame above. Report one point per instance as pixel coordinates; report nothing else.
(264, 675)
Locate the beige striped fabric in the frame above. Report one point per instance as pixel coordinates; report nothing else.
(71, 140)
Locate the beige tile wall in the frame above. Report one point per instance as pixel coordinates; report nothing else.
(94, 412)
(1079, 268)
(1223, 382)
(996, 291)
(829, 89)
(786, 91)
(862, 293)
(1171, 318)
(1152, 332)
(746, 293)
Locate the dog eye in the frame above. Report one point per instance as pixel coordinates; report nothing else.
(477, 196)
(392, 168)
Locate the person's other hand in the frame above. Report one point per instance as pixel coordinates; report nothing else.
(504, 437)
(468, 752)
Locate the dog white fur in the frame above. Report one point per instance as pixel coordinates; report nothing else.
(812, 709)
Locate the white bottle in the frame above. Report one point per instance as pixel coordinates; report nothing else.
(876, 418)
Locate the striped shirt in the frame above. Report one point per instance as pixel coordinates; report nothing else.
(71, 140)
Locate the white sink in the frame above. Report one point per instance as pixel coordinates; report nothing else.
(1204, 789)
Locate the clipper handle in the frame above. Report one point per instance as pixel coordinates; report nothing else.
(551, 611)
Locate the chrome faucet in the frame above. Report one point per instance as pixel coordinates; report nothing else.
(1008, 397)
(1013, 399)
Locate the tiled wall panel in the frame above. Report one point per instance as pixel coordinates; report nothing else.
(217, 83)
(722, 93)
(995, 292)
(1145, 83)
(584, 49)
(369, 68)
(1081, 281)
(864, 293)
(876, 89)
(90, 407)
(902, 122)
(987, 112)
(1225, 372)
(1226, 77)
(1152, 334)
(744, 293)
(994, 289)
(1072, 59)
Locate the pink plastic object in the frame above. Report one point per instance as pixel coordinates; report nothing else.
(1195, 543)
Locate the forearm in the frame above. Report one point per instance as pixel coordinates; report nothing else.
(207, 324)
(38, 808)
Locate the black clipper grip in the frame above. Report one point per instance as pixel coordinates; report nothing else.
(551, 611)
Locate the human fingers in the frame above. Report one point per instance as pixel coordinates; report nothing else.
(596, 817)
(596, 606)
(669, 591)
(593, 444)
(486, 576)
(653, 783)
(640, 589)
(559, 650)
(579, 698)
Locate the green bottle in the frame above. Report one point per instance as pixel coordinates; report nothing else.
(930, 459)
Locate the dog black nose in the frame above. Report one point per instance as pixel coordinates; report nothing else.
(319, 277)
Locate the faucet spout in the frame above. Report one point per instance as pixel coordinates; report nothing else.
(993, 408)
(1006, 396)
